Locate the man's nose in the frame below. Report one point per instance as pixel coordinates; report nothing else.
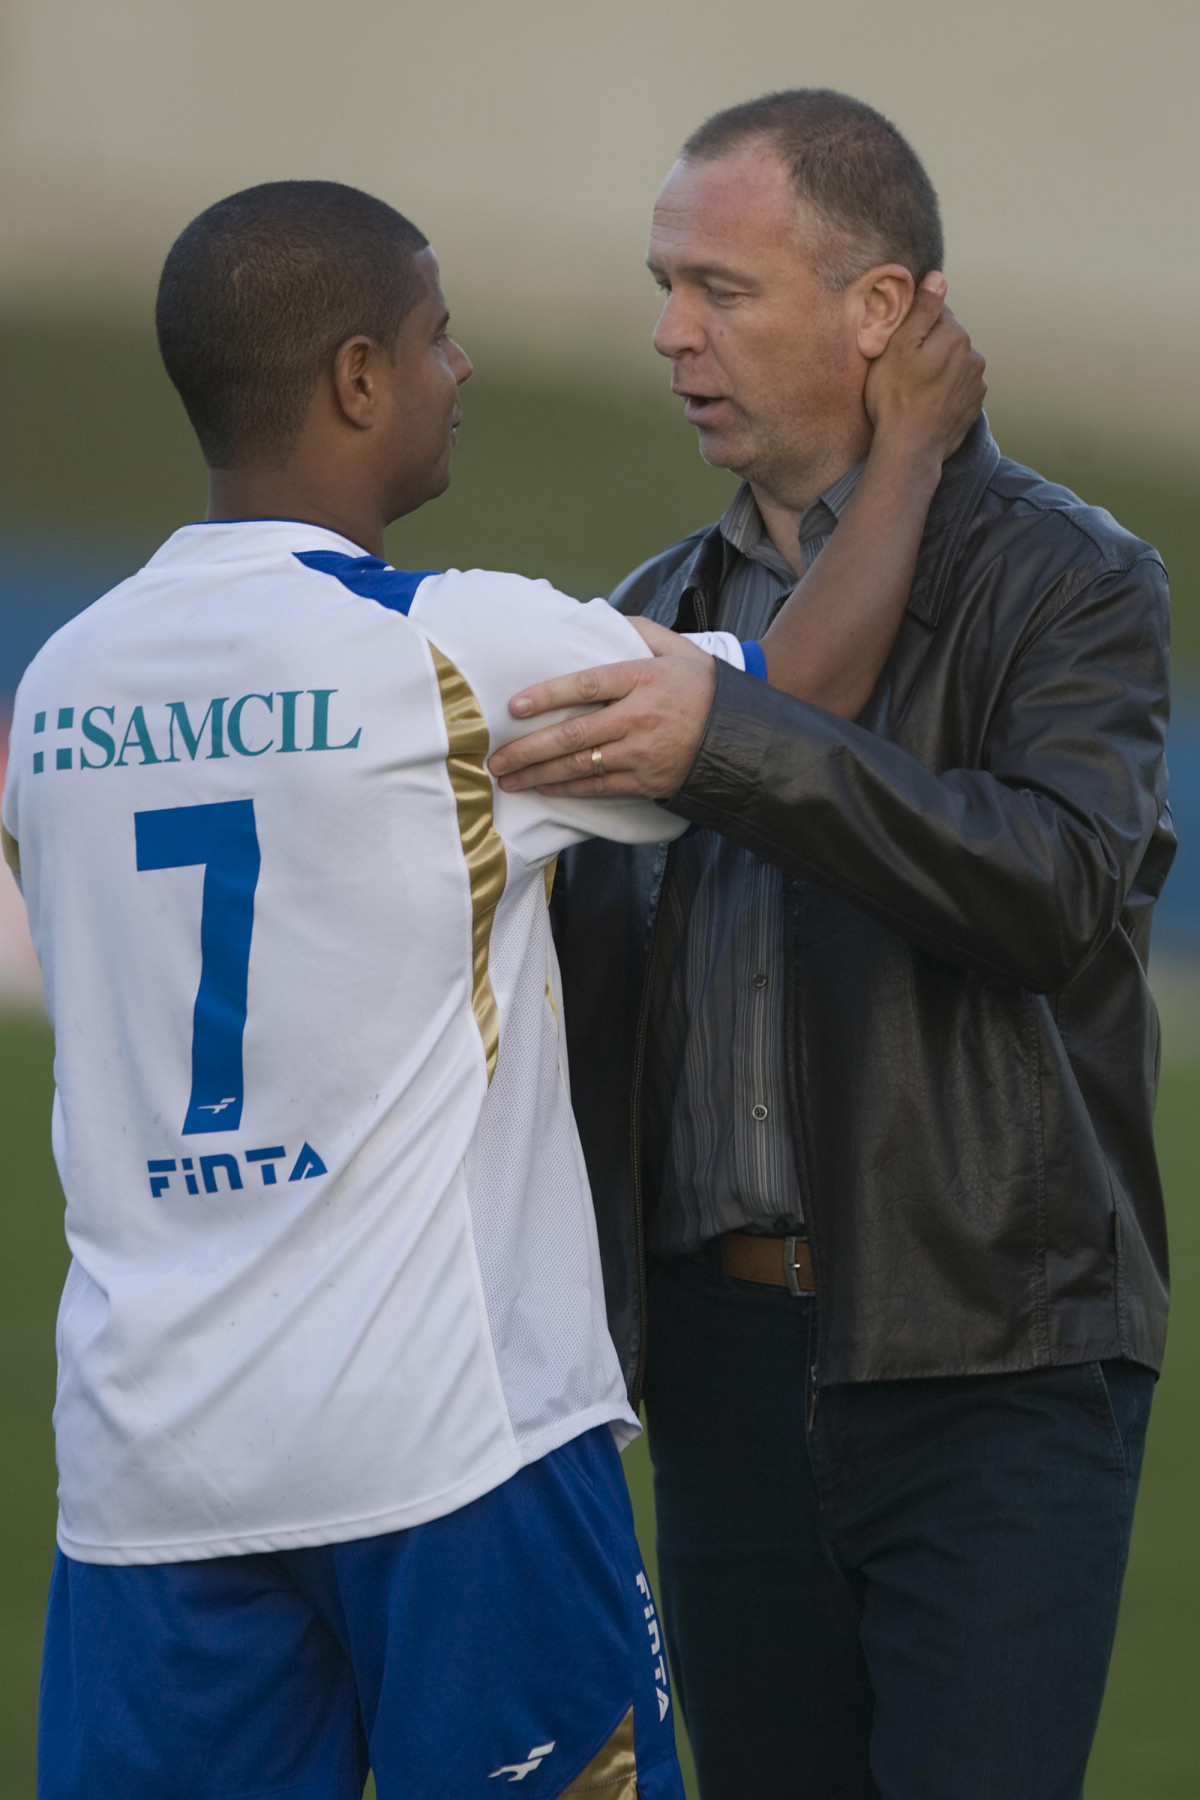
(678, 329)
(460, 362)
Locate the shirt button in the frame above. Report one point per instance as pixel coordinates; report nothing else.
(758, 1112)
(760, 981)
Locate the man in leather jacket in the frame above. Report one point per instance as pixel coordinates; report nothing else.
(898, 1348)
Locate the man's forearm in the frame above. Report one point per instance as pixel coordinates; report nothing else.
(832, 637)
(1020, 867)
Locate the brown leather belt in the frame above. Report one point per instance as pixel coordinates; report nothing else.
(779, 1262)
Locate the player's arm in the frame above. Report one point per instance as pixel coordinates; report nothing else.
(831, 638)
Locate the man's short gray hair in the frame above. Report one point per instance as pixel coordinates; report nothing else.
(851, 166)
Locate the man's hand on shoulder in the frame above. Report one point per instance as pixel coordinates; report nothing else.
(649, 719)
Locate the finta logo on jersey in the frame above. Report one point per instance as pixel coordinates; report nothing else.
(656, 1650)
(164, 732)
(518, 1771)
(225, 1163)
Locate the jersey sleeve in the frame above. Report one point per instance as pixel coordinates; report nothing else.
(721, 644)
(503, 632)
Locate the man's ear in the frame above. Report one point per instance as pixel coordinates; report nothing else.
(354, 380)
(885, 296)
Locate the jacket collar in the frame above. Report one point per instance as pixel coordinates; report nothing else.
(951, 511)
(700, 574)
(954, 505)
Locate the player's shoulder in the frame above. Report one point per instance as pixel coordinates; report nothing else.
(368, 578)
(503, 631)
(491, 606)
(423, 594)
(469, 588)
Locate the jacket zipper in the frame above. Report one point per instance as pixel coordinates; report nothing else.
(635, 1131)
(798, 1140)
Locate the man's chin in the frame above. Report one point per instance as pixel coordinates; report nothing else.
(722, 452)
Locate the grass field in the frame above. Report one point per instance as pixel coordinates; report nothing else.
(1149, 1744)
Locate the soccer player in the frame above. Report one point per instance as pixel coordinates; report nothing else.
(337, 1401)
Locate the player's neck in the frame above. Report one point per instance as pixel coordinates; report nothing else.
(272, 493)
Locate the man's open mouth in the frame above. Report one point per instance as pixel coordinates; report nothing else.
(701, 409)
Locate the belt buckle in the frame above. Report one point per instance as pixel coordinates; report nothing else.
(791, 1268)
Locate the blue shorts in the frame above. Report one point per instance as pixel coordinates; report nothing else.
(512, 1642)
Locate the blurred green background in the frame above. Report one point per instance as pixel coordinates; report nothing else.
(576, 482)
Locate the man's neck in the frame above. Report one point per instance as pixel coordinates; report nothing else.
(276, 494)
(782, 525)
(781, 517)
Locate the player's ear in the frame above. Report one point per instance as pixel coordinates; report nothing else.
(354, 380)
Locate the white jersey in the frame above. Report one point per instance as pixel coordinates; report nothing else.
(334, 1262)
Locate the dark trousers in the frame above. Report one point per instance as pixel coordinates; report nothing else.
(908, 1593)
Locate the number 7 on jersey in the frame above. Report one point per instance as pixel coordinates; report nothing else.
(223, 837)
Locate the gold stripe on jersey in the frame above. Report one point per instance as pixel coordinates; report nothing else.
(612, 1773)
(12, 854)
(483, 847)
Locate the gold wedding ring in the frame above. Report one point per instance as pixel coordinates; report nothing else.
(597, 762)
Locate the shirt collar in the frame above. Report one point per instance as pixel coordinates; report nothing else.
(235, 540)
(835, 499)
(965, 480)
(742, 527)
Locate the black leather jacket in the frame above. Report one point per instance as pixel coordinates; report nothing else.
(971, 870)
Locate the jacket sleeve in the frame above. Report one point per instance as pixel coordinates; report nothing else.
(1020, 866)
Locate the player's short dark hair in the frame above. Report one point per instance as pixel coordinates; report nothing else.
(864, 181)
(258, 292)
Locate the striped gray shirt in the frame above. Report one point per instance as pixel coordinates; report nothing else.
(718, 1121)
